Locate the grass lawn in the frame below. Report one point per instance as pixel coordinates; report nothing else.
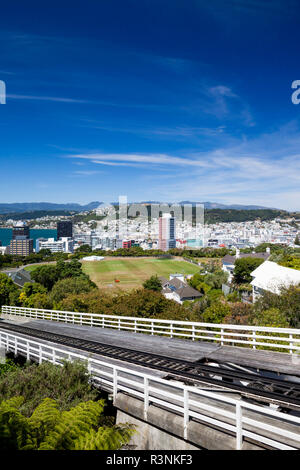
(134, 271)
(37, 265)
(32, 268)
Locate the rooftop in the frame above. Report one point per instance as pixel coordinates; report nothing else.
(272, 277)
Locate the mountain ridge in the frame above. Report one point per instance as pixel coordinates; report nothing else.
(19, 207)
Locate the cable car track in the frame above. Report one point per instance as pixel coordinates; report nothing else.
(282, 392)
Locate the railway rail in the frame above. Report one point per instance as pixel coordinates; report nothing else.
(284, 393)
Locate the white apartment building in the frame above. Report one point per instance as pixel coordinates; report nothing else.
(63, 245)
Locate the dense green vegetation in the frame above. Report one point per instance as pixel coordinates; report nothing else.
(49, 407)
(48, 428)
(32, 215)
(153, 283)
(213, 216)
(243, 268)
(68, 385)
(43, 256)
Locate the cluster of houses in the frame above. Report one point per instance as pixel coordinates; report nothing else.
(269, 276)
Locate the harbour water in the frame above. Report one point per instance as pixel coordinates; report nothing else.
(6, 235)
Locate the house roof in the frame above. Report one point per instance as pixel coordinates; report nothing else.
(19, 276)
(188, 292)
(272, 277)
(177, 283)
(163, 280)
(232, 259)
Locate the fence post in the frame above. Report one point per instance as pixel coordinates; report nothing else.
(115, 384)
(254, 339)
(146, 397)
(152, 328)
(239, 429)
(27, 351)
(193, 332)
(291, 343)
(186, 412)
(171, 330)
(119, 324)
(135, 326)
(222, 337)
(40, 354)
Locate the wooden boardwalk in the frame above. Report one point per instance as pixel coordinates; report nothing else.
(170, 347)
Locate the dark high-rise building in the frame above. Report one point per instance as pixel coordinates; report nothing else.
(64, 229)
(20, 230)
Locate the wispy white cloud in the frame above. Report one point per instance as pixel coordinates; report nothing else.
(264, 171)
(146, 159)
(180, 132)
(45, 98)
(86, 173)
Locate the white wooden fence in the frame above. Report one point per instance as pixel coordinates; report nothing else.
(237, 417)
(287, 339)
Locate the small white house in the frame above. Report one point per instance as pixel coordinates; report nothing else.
(270, 276)
(177, 289)
(93, 258)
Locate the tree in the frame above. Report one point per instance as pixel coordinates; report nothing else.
(240, 313)
(216, 313)
(153, 283)
(7, 289)
(287, 303)
(84, 249)
(216, 279)
(243, 268)
(70, 285)
(45, 275)
(45, 252)
(195, 280)
(272, 317)
(31, 288)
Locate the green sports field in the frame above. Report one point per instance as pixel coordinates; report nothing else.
(132, 272)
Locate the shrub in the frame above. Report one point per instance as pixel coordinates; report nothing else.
(68, 385)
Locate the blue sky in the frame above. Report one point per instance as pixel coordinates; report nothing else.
(157, 100)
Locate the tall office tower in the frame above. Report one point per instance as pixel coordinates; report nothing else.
(21, 244)
(20, 229)
(166, 237)
(64, 229)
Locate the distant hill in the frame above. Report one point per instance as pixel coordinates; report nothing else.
(215, 205)
(212, 214)
(19, 207)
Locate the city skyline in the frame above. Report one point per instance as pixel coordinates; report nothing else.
(166, 102)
